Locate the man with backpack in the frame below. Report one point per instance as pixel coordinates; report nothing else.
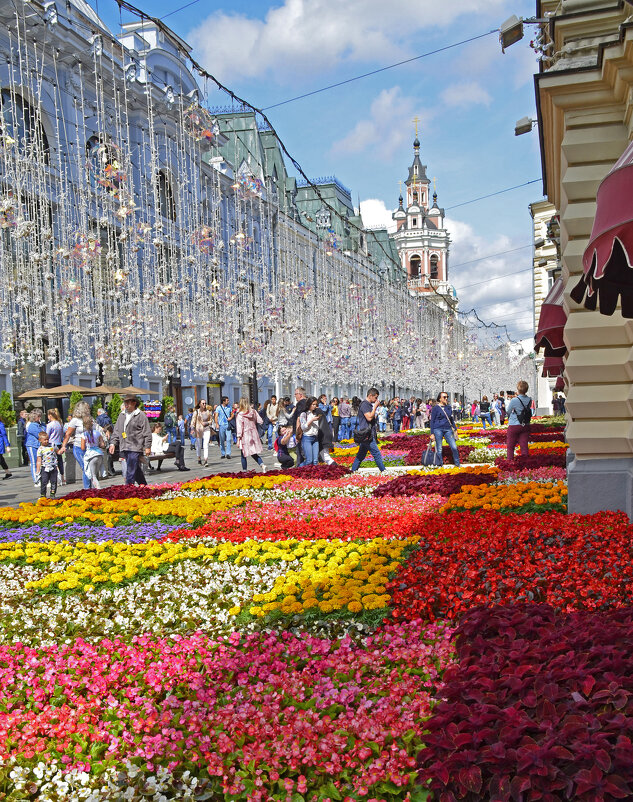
(519, 411)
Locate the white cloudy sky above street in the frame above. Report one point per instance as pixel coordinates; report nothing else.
(468, 99)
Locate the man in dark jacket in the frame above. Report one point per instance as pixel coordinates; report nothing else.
(133, 436)
(103, 419)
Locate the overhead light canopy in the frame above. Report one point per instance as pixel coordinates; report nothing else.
(510, 32)
(524, 126)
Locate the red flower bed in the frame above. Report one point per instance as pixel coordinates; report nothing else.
(414, 457)
(467, 559)
(361, 523)
(538, 707)
(425, 485)
(556, 458)
(120, 492)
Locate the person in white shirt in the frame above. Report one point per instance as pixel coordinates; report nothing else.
(160, 445)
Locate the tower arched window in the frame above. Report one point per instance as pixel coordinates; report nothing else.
(434, 266)
(414, 266)
(415, 198)
(166, 197)
(21, 127)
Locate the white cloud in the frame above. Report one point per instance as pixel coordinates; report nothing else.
(386, 129)
(300, 37)
(465, 93)
(506, 300)
(376, 214)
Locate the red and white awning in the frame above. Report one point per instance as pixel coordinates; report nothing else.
(551, 323)
(608, 259)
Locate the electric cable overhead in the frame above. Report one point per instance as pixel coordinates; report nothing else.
(492, 194)
(380, 69)
(182, 8)
(494, 278)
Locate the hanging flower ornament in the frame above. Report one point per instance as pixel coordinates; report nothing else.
(204, 239)
(86, 251)
(200, 125)
(8, 212)
(105, 165)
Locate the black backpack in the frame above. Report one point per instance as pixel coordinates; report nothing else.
(525, 415)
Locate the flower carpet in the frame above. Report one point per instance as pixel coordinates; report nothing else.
(313, 635)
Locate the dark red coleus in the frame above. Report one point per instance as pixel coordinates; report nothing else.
(427, 485)
(538, 707)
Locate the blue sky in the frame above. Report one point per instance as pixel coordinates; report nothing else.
(468, 99)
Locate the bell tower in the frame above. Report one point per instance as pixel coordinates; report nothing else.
(420, 236)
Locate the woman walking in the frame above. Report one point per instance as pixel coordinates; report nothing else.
(55, 432)
(5, 447)
(32, 441)
(336, 418)
(201, 422)
(248, 439)
(92, 445)
(443, 426)
(75, 432)
(484, 411)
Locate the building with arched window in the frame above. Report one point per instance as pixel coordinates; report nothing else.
(421, 239)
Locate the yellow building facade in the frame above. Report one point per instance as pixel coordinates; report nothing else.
(585, 113)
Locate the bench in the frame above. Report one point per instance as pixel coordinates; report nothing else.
(161, 457)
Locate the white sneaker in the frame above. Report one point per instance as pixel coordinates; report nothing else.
(263, 469)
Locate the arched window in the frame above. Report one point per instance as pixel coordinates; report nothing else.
(434, 266)
(415, 198)
(21, 128)
(414, 267)
(166, 196)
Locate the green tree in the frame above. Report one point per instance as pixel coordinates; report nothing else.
(75, 398)
(7, 412)
(168, 401)
(114, 407)
(94, 409)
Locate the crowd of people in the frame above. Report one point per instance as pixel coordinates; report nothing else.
(301, 430)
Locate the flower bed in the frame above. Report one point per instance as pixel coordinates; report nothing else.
(519, 495)
(538, 707)
(546, 459)
(262, 717)
(569, 561)
(443, 485)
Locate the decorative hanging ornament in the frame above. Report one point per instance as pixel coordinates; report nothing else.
(200, 125)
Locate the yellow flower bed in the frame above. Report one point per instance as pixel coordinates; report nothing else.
(109, 512)
(334, 575)
(344, 452)
(479, 470)
(224, 484)
(547, 446)
(496, 497)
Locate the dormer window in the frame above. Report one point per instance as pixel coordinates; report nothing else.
(414, 222)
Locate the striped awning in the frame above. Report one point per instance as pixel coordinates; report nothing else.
(551, 323)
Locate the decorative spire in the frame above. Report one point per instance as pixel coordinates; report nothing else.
(434, 191)
(400, 199)
(416, 141)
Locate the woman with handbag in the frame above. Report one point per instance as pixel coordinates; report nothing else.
(443, 426)
(248, 439)
(310, 427)
(92, 445)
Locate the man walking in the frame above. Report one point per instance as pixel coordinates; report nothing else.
(133, 436)
(223, 416)
(367, 421)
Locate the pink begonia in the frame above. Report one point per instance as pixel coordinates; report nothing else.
(289, 702)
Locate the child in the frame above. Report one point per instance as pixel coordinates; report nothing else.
(286, 447)
(46, 465)
(92, 444)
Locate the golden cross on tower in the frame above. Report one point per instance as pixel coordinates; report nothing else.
(399, 187)
(416, 120)
(434, 184)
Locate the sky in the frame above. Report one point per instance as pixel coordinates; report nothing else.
(468, 99)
